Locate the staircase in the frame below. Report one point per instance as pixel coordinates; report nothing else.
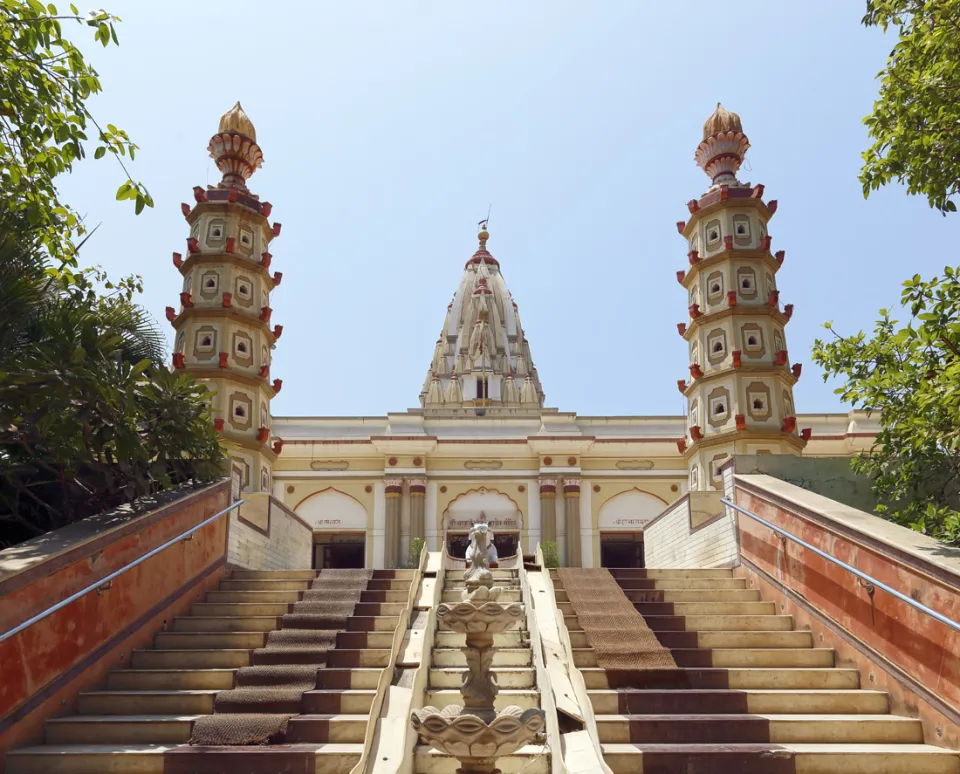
(141, 720)
(515, 674)
(754, 694)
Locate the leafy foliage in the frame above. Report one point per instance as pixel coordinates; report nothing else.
(416, 546)
(914, 122)
(45, 123)
(551, 554)
(911, 374)
(89, 416)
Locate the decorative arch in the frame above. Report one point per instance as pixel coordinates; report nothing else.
(629, 511)
(331, 509)
(500, 509)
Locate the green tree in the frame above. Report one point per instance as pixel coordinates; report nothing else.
(45, 124)
(911, 375)
(89, 415)
(914, 122)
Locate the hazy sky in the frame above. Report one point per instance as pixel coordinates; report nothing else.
(388, 128)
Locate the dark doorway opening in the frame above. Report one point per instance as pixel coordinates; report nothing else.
(340, 554)
(507, 544)
(622, 550)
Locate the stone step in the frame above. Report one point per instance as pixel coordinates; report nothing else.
(502, 657)
(693, 595)
(338, 729)
(275, 609)
(177, 679)
(354, 678)
(452, 596)
(632, 572)
(740, 657)
(195, 623)
(351, 701)
(507, 697)
(532, 759)
(264, 584)
(682, 584)
(365, 640)
(659, 609)
(218, 597)
(308, 575)
(702, 623)
(190, 659)
(157, 702)
(509, 639)
(507, 677)
(694, 701)
(209, 640)
(812, 679)
(157, 758)
(781, 759)
(731, 640)
(776, 729)
(366, 658)
(120, 729)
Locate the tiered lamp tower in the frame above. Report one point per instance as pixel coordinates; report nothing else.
(740, 388)
(224, 331)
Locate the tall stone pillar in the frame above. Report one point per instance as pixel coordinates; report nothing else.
(571, 502)
(393, 488)
(548, 510)
(418, 501)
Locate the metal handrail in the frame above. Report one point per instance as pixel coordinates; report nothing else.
(103, 582)
(871, 581)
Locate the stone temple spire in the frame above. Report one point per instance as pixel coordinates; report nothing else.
(723, 148)
(234, 148)
(482, 358)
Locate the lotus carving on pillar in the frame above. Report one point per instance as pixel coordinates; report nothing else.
(475, 733)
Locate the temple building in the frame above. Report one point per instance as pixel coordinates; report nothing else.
(483, 442)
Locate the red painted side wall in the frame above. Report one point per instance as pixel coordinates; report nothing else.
(926, 650)
(44, 667)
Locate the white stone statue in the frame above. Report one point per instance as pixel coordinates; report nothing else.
(481, 544)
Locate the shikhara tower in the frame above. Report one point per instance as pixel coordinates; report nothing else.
(224, 334)
(740, 388)
(482, 359)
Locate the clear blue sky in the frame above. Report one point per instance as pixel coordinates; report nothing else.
(388, 128)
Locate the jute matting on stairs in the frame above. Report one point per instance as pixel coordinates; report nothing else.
(266, 695)
(615, 630)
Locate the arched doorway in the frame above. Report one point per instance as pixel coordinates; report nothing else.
(620, 522)
(339, 529)
(482, 505)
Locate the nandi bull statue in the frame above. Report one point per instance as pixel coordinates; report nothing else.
(476, 733)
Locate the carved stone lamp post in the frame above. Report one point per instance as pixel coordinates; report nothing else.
(475, 733)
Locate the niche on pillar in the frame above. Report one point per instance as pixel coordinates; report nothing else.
(620, 522)
(339, 525)
(483, 505)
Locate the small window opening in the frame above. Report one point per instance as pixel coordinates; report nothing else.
(216, 232)
(244, 239)
(746, 284)
(211, 283)
(741, 229)
(244, 290)
(714, 234)
(758, 404)
(715, 287)
(719, 409)
(752, 341)
(240, 411)
(482, 388)
(718, 347)
(241, 347)
(206, 341)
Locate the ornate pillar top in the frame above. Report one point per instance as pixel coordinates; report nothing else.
(571, 485)
(393, 484)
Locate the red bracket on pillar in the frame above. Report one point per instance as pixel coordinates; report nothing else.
(171, 313)
(185, 209)
(199, 194)
(265, 371)
(788, 310)
(231, 245)
(796, 369)
(728, 242)
(741, 421)
(278, 446)
(218, 424)
(780, 358)
(232, 197)
(224, 356)
(265, 209)
(177, 260)
(277, 332)
(765, 242)
(693, 205)
(277, 276)
(682, 329)
(682, 386)
(772, 206)
(263, 434)
(757, 192)
(277, 385)
(227, 300)
(178, 360)
(695, 311)
(724, 192)
(186, 300)
(681, 445)
(680, 276)
(731, 298)
(265, 313)
(681, 225)
(193, 246)
(265, 259)
(695, 432)
(779, 256)
(695, 371)
(789, 424)
(806, 433)
(694, 257)
(774, 298)
(276, 229)
(737, 358)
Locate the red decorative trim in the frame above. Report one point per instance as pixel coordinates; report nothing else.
(780, 255)
(265, 371)
(392, 461)
(265, 313)
(681, 225)
(737, 358)
(186, 299)
(757, 192)
(774, 298)
(788, 310)
(265, 259)
(232, 196)
(223, 359)
(227, 300)
(571, 489)
(276, 229)
(521, 488)
(548, 460)
(695, 432)
(795, 369)
(731, 298)
(724, 189)
(682, 386)
(178, 360)
(443, 489)
(694, 310)
(218, 424)
(418, 489)
(185, 209)
(171, 313)
(368, 489)
(277, 332)
(694, 257)
(278, 446)
(693, 205)
(728, 242)
(695, 371)
(789, 424)
(772, 206)
(781, 358)
(765, 242)
(193, 246)
(681, 447)
(806, 433)
(263, 434)
(680, 275)
(682, 328)
(199, 194)
(596, 487)
(417, 462)
(277, 276)
(265, 209)
(231, 245)
(741, 421)
(277, 385)
(571, 461)
(177, 260)
(548, 489)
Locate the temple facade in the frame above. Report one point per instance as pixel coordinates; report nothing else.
(483, 444)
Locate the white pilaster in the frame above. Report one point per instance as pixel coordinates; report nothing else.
(586, 525)
(533, 515)
(379, 521)
(430, 517)
(561, 522)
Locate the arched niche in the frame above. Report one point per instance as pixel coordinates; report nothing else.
(489, 505)
(629, 511)
(331, 509)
